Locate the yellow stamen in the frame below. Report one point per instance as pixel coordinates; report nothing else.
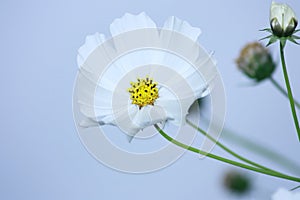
(143, 92)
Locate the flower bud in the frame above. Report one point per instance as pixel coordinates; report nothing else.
(255, 61)
(283, 20)
(237, 182)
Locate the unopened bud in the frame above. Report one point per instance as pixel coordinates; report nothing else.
(255, 61)
(283, 20)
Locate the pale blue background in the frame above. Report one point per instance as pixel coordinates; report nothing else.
(41, 154)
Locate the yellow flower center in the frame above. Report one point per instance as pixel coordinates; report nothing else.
(143, 92)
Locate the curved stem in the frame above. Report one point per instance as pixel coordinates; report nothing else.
(282, 90)
(225, 160)
(261, 150)
(295, 188)
(227, 149)
(289, 90)
(256, 147)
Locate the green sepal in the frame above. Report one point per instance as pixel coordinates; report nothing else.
(267, 30)
(283, 41)
(295, 37)
(296, 31)
(272, 40)
(292, 39)
(265, 37)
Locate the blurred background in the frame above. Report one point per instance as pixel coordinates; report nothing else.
(41, 155)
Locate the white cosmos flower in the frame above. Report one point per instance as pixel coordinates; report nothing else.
(283, 19)
(167, 85)
(284, 194)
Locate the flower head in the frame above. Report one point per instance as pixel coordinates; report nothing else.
(237, 182)
(283, 20)
(136, 79)
(255, 61)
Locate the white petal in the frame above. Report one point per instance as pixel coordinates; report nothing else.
(176, 107)
(94, 104)
(288, 15)
(123, 120)
(197, 84)
(276, 12)
(87, 94)
(183, 27)
(100, 114)
(129, 22)
(170, 104)
(126, 63)
(91, 43)
(132, 120)
(188, 73)
(283, 13)
(87, 123)
(149, 115)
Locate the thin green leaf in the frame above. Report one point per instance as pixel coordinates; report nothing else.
(272, 40)
(295, 37)
(296, 31)
(267, 30)
(295, 188)
(265, 38)
(293, 40)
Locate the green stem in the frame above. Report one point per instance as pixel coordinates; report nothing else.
(295, 188)
(261, 150)
(289, 90)
(225, 160)
(282, 90)
(227, 149)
